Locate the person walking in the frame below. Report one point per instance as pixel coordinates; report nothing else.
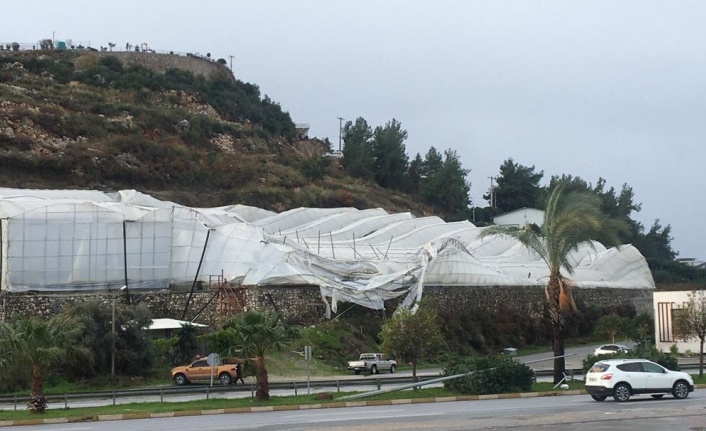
(238, 373)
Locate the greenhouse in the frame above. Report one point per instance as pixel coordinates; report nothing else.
(78, 240)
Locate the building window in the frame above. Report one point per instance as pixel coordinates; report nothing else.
(664, 322)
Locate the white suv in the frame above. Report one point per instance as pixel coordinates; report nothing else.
(622, 378)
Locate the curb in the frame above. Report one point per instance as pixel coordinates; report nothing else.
(332, 405)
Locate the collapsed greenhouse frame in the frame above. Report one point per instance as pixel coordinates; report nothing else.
(82, 240)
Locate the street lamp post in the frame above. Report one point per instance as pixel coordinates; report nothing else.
(114, 335)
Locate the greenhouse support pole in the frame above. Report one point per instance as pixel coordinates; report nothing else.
(388, 246)
(196, 277)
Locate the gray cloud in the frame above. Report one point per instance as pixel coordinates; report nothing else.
(595, 89)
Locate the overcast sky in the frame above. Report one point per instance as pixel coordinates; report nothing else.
(612, 89)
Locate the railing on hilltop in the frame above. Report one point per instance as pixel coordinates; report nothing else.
(24, 46)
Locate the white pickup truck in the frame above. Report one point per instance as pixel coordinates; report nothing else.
(372, 363)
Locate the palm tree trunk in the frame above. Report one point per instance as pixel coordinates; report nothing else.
(37, 401)
(558, 349)
(263, 385)
(555, 292)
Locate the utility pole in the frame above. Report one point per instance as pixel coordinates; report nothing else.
(112, 338)
(340, 132)
(231, 63)
(492, 193)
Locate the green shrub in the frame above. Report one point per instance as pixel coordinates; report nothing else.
(492, 375)
(315, 168)
(164, 349)
(17, 143)
(479, 330)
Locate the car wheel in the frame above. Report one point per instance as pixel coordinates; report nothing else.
(392, 368)
(374, 369)
(599, 397)
(225, 378)
(180, 380)
(621, 392)
(657, 396)
(680, 390)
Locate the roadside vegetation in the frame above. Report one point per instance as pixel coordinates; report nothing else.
(142, 361)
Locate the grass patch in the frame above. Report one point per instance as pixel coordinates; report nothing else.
(212, 404)
(699, 380)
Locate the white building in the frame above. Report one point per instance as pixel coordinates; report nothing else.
(521, 217)
(665, 306)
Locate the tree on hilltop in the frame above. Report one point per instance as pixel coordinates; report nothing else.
(391, 161)
(446, 188)
(358, 156)
(517, 187)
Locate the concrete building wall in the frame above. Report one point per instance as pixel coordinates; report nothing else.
(665, 305)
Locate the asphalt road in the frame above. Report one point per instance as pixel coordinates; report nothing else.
(199, 391)
(575, 412)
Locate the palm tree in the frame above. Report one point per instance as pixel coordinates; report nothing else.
(42, 345)
(572, 218)
(255, 333)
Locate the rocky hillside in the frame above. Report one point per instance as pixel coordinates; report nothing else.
(87, 120)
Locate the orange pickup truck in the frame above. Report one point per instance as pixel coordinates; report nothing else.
(200, 370)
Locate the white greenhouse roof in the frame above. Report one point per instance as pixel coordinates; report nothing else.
(67, 240)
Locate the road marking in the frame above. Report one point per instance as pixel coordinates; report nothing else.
(343, 413)
(73, 429)
(367, 417)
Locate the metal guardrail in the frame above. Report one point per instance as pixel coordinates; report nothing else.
(206, 390)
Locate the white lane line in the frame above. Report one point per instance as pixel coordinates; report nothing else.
(407, 416)
(307, 415)
(71, 429)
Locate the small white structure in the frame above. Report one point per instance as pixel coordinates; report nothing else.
(521, 217)
(162, 324)
(691, 261)
(164, 328)
(665, 306)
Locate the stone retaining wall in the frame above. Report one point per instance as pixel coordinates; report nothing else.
(161, 62)
(530, 299)
(303, 303)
